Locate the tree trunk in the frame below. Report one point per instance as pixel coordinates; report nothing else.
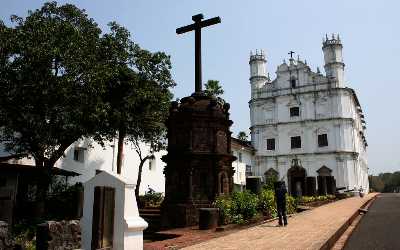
(121, 137)
(139, 179)
(43, 184)
(39, 162)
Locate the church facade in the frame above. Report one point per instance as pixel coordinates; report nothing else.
(307, 128)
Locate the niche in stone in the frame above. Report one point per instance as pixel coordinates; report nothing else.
(296, 179)
(223, 184)
(221, 141)
(271, 175)
(326, 182)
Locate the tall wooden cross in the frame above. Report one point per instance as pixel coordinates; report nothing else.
(196, 26)
(291, 54)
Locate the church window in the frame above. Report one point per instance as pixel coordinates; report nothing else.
(248, 170)
(79, 154)
(294, 111)
(322, 140)
(295, 142)
(240, 157)
(293, 83)
(271, 144)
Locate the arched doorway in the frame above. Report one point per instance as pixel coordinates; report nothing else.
(297, 180)
(326, 182)
(271, 176)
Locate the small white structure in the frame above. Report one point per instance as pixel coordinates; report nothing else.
(244, 153)
(112, 213)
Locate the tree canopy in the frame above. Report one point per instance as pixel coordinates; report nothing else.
(62, 80)
(385, 182)
(50, 81)
(137, 92)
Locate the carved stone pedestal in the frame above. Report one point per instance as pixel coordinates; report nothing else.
(199, 159)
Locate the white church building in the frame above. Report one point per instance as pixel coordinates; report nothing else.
(306, 124)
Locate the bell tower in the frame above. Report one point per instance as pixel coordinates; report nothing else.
(334, 66)
(258, 71)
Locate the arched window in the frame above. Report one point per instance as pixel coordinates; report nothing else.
(293, 82)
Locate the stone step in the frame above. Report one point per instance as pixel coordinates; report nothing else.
(150, 211)
(149, 215)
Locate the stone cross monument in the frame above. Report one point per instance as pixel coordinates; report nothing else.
(198, 24)
(199, 159)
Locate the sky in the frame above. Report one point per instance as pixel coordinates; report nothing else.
(368, 30)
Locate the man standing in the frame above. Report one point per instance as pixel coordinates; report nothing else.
(280, 197)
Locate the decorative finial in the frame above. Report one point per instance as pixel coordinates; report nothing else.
(333, 36)
(326, 37)
(305, 61)
(338, 38)
(284, 61)
(268, 78)
(298, 58)
(318, 71)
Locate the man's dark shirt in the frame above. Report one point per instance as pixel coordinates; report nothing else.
(280, 195)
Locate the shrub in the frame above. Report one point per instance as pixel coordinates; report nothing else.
(238, 208)
(62, 202)
(151, 199)
(269, 182)
(24, 234)
(224, 203)
(308, 199)
(244, 206)
(267, 203)
(331, 196)
(291, 204)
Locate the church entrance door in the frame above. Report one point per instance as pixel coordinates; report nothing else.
(297, 181)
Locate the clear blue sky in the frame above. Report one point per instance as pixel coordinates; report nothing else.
(369, 31)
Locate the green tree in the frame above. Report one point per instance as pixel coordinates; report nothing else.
(137, 96)
(242, 136)
(385, 182)
(61, 81)
(376, 183)
(212, 88)
(51, 82)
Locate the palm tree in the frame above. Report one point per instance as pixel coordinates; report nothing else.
(213, 88)
(242, 136)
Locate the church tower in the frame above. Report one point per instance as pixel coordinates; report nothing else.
(258, 72)
(334, 66)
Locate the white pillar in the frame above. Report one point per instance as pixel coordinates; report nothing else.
(133, 233)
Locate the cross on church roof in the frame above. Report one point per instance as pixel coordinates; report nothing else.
(196, 26)
(291, 54)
